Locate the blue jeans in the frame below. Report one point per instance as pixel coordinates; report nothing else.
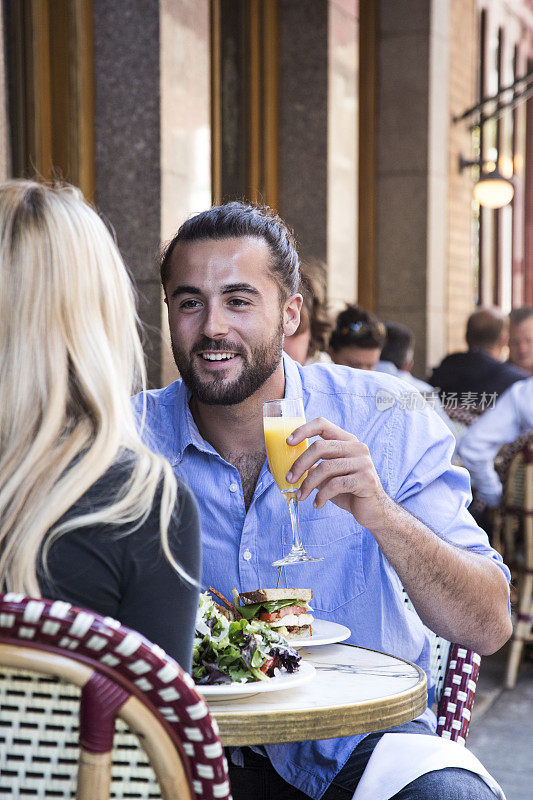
(259, 780)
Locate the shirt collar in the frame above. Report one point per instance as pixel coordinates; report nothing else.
(293, 378)
(184, 426)
(187, 432)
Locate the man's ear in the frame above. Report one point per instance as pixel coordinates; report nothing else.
(291, 314)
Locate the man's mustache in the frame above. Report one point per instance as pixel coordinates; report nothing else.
(217, 346)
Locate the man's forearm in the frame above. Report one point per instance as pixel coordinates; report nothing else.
(458, 594)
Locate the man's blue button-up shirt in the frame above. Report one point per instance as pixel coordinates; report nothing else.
(354, 585)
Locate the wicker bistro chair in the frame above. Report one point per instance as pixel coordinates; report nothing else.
(511, 464)
(66, 677)
(455, 696)
(456, 670)
(514, 464)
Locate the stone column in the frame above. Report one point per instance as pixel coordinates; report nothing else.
(127, 138)
(413, 125)
(303, 121)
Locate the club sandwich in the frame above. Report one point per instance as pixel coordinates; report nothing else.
(285, 610)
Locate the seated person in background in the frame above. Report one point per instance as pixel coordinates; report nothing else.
(357, 339)
(511, 416)
(480, 370)
(397, 355)
(521, 338)
(308, 345)
(397, 358)
(88, 514)
(379, 498)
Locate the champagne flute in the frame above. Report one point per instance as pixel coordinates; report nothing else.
(280, 419)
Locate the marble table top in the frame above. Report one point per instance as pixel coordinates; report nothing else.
(354, 690)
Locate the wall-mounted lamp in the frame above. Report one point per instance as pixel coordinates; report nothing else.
(492, 190)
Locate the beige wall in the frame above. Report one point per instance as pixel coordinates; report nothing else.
(460, 282)
(343, 67)
(437, 177)
(185, 125)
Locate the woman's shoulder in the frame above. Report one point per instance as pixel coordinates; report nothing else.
(112, 483)
(108, 486)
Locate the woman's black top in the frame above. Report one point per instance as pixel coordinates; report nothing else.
(125, 574)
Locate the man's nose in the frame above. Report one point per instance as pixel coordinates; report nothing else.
(215, 322)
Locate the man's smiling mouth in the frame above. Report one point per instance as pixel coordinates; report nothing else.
(218, 356)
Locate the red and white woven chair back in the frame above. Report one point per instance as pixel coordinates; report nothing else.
(456, 700)
(41, 717)
(455, 670)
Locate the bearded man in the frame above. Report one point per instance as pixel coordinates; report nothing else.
(381, 501)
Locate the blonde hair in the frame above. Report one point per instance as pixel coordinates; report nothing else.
(70, 358)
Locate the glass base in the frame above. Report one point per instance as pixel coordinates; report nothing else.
(295, 557)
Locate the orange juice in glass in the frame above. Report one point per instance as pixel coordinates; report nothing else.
(280, 419)
(281, 456)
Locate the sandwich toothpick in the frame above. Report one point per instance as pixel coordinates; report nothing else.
(279, 576)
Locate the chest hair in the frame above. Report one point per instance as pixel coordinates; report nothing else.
(249, 466)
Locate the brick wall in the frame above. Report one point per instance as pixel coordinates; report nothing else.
(463, 77)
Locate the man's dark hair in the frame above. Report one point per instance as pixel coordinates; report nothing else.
(484, 328)
(358, 328)
(237, 219)
(399, 345)
(519, 315)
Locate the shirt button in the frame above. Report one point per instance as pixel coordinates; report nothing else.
(247, 555)
(233, 487)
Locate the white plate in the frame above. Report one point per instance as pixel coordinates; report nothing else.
(324, 632)
(231, 691)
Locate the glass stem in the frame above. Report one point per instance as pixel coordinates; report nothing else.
(293, 510)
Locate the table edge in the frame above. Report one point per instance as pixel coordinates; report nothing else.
(241, 727)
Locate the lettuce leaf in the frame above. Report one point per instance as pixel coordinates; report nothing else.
(226, 651)
(269, 606)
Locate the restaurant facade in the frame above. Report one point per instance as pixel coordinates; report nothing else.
(350, 117)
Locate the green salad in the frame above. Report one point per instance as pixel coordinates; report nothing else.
(238, 650)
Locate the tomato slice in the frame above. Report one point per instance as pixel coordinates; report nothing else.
(264, 616)
(266, 666)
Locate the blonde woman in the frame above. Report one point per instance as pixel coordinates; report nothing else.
(88, 513)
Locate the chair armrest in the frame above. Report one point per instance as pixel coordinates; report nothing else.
(457, 698)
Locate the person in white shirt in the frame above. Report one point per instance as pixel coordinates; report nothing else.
(511, 416)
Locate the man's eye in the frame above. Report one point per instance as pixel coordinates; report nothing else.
(189, 304)
(238, 302)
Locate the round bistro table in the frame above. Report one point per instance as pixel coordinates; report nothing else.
(355, 690)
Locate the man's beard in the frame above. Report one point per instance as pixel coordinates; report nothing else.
(256, 369)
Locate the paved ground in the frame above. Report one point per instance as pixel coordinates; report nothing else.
(501, 731)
